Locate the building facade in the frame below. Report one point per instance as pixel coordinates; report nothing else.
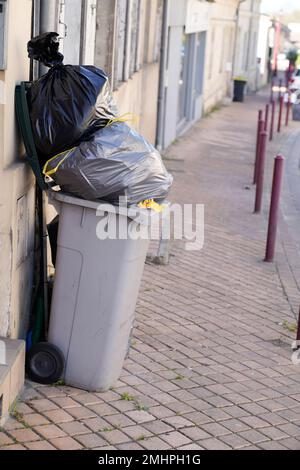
(169, 61)
(17, 188)
(247, 27)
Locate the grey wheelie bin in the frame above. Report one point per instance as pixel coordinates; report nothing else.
(96, 287)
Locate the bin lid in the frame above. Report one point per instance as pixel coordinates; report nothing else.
(138, 214)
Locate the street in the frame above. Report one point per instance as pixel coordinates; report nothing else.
(210, 363)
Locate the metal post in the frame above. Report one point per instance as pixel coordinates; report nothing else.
(267, 117)
(272, 119)
(280, 114)
(274, 208)
(272, 92)
(298, 329)
(279, 91)
(260, 128)
(260, 171)
(288, 107)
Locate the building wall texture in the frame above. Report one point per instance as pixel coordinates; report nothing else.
(17, 185)
(220, 51)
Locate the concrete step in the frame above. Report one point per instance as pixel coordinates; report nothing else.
(12, 371)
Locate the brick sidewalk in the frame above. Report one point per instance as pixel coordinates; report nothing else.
(210, 364)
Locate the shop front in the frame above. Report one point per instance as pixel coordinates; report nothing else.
(184, 67)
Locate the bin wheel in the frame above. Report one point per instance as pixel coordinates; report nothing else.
(44, 363)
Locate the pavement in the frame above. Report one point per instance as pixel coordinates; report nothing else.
(210, 363)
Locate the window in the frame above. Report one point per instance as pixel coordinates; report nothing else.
(120, 40)
(127, 39)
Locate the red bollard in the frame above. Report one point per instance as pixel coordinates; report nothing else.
(274, 208)
(272, 92)
(298, 330)
(260, 171)
(288, 107)
(272, 120)
(279, 91)
(280, 114)
(267, 117)
(260, 128)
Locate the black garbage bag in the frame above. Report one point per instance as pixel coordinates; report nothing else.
(68, 103)
(116, 161)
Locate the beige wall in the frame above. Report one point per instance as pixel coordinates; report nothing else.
(242, 57)
(139, 97)
(219, 52)
(246, 54)
(139, 94)
(16, 184)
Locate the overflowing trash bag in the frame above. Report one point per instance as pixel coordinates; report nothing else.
(116, 161)
(67, 104)
(94, 154)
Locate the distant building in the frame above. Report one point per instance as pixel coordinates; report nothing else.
(295, 34)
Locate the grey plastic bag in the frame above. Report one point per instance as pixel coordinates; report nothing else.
(116, 161)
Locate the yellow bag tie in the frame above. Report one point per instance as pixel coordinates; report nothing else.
(54, 170)
(151, 204)
(127, 117)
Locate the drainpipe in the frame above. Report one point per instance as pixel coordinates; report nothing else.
(236, 37)
(162, 77)
(35, 30)
(49, 15)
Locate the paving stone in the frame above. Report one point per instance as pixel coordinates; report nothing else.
(95, 424)
(43, 405)
(58, 416)
(50, 431)
(24, 435)
(129, 446)
(214, 444)
(119, 420)
(140, 416)
(235, 425)
(35, 419)
(39, 445)
(215, 429)
(274, 433)
(272, 445)
(157, 427)
(290, 443)
(88, 399)
(137, 432)
(115, 436)
(65, 443)
(235, 441)
(5, 439)
(175, 439)
(195, 433)
(81, 413)
(155, 443)
(90, 441)
(254, 437)
(74, 428)
(178, 422)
